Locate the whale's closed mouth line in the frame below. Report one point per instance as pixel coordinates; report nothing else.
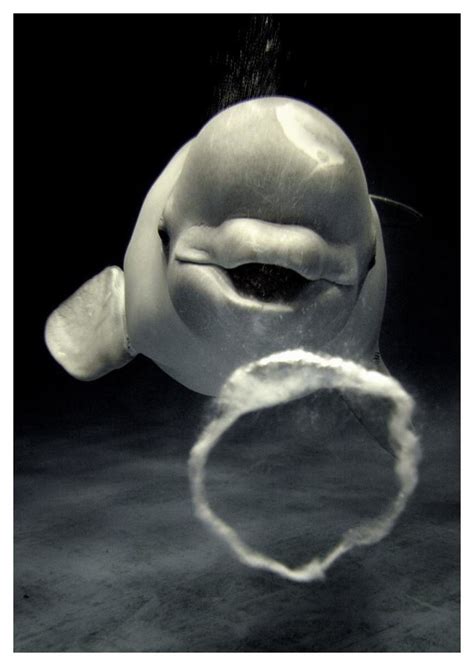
(267, 282)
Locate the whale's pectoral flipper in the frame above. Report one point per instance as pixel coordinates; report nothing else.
(87, 333)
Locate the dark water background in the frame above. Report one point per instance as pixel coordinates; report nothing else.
(108, 554)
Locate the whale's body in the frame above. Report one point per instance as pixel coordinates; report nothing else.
(258, 236)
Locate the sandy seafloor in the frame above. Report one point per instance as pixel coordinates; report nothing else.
(109, 556)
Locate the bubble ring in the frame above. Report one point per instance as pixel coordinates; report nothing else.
(283, 377)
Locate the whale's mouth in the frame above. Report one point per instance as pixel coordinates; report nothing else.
(267, 282)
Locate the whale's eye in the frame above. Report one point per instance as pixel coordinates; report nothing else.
(164, 236)
(371, 262)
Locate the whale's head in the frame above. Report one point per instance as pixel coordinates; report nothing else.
(260, 237)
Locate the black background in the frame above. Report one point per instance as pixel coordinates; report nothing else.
(103, 102)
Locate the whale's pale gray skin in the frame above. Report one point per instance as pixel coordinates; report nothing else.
(259, 236)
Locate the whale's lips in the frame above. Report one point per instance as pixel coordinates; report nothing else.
(263, 266)
(267, 282)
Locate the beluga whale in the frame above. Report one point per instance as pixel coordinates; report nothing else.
(259, 236)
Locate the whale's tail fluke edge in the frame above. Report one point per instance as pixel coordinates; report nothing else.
(87, 333)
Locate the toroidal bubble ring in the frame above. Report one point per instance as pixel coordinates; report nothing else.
(287, 376)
